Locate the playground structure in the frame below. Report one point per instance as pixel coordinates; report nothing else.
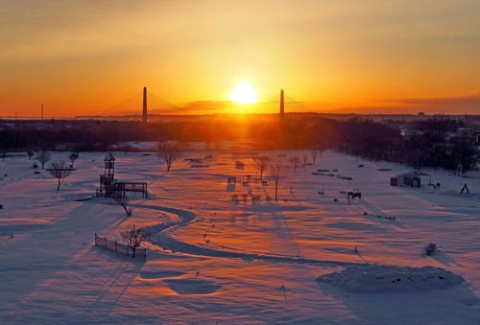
(110, 187)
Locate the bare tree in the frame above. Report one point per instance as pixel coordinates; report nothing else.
(134, 236)
(43, 157)
(314, 154)
(122, 200)
(60, 171)
(295, 161)
(321, 149)
(72, 157)
(261, 164)
(322, 145)
(278, 171)
(169, 153)
(305, 159)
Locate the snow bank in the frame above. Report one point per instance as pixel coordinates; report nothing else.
(383, 278)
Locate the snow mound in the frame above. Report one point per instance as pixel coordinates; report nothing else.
(160, 274)
(194, 286)
(383, 278)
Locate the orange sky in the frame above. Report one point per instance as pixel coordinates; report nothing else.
(88, 57)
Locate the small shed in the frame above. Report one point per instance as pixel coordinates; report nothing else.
(412, 179)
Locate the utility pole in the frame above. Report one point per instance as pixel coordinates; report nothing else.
(282, 105)
(144, 106)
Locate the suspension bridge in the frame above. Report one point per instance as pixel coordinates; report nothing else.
(161, 109)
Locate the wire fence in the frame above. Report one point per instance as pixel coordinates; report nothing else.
(120, 248)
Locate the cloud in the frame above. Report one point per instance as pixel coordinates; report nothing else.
(460, 105)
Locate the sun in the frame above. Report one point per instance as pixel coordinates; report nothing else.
(243, 93)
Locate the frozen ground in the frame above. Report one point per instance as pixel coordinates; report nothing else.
(211, 260)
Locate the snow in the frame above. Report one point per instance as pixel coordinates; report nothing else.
(192, 286)
(214, 260)
(388, 278)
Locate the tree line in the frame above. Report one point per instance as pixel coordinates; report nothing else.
(436, 143)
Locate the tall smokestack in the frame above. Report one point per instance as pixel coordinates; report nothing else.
(282, 105)
(144, 105)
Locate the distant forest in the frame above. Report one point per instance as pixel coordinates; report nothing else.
(438, 143)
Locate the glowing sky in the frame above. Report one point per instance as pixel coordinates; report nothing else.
(85, 57)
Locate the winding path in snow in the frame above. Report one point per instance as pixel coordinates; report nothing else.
(159, 237)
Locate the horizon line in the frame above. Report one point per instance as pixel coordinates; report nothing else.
(139, 116)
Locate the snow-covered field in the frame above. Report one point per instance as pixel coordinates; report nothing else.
(215, 261)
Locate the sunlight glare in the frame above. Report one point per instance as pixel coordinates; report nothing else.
(243, 93)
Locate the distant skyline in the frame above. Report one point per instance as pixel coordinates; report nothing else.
(85, 57)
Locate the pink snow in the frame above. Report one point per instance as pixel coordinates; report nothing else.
(213, 260)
